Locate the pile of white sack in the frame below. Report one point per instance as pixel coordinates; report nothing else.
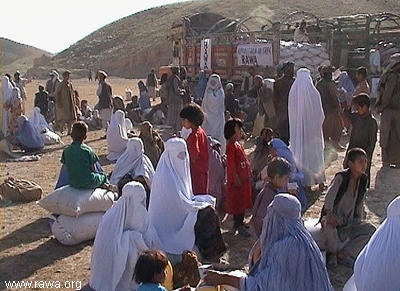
(386, 49)
(306, 55)
(76, 213)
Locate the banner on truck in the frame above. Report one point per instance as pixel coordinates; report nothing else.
(205, 54)
(255, 55)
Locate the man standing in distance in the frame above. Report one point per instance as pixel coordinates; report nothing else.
(65, 104)
(104, 92)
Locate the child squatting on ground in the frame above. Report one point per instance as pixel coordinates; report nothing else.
(343, 233)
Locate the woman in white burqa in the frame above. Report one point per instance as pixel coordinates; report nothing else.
(6, 90)
(124, 232)
(213, 106)
(134, 162)
(117, 136)
(378, 265)
(286, 258)
(305, 123)
(174, 211)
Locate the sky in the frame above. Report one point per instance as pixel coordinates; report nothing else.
(54, 25)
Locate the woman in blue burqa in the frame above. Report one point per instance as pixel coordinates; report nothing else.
(280, 149)
(200, 87)
(27, 138)
(287, 258)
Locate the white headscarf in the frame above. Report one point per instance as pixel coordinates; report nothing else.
(173, 207)
(135, 161)
(38, 120)
(305, 121)
(213, 106)
(290, 258)
(117, 135)
(6, 89)
(378, 265)
(129, 125)
(124, 232)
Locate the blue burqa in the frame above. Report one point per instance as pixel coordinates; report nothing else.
(283, 151)
(290, 258)
(27, 137)
(201, 86)
(346, 83)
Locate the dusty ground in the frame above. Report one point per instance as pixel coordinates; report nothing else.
(29, 252)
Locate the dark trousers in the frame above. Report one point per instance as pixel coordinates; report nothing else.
(238, 220)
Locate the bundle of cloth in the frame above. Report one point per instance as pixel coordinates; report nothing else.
(43, 128)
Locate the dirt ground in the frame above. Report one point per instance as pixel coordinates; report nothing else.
(28, 251)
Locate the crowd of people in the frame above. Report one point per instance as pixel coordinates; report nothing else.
(173, 195)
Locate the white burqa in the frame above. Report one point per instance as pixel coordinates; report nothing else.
(378, 265)
(173, 208)
(133, 161)
(6, 91)
(305, 122)
(117, 136)
(213, 106)
(129, 124)
(124, 232)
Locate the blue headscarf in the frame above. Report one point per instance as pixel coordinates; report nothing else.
(27, 137)
(290, 258)
(201, 86)
(283, 151)
(346, 83)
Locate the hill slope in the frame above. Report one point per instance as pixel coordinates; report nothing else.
(129, 47)
(16, 56)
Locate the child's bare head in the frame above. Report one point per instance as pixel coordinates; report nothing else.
(79, 131)
(150, 267)
(357, 161)
(278, 172)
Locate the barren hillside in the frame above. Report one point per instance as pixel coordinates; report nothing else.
(17, 56)
(129, 47)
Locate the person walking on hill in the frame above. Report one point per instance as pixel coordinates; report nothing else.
(65, 104)
(151, 84)
(104, 92)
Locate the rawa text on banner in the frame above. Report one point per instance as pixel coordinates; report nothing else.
(255, 54)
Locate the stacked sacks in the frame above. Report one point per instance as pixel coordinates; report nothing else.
(386, 49)
(306, 55)
(76, 212)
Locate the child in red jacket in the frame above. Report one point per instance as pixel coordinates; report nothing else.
(197, 143)
(238, 188)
